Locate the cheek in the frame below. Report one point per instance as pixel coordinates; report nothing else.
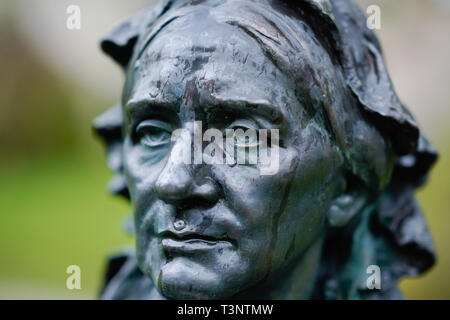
(141, 169)
(256, 199)
(311, 192)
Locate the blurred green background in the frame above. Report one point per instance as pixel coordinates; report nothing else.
(54, 81)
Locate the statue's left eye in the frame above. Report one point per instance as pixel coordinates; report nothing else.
(154, 133)
(245, 133)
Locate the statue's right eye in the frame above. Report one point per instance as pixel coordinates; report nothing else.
(153, 133)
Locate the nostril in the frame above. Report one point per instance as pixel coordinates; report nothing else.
(208, 191)
(184, 187)
(171, 192)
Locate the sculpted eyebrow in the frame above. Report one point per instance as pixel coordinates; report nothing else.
(260, 107)
(136, 109)
(145, 104)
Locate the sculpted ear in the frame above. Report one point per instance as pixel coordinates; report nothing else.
(344, 208)
(347, 205)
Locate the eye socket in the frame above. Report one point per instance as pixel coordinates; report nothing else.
(241, 138)
(154, 133)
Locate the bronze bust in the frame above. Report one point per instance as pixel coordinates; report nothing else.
(349, 155)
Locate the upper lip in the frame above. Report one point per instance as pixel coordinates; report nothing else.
(194, 236)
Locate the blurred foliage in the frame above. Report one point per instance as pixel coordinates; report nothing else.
(57, 213)
(54, 204)
(38, 117)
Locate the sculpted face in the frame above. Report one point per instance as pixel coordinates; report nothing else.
(216, 231)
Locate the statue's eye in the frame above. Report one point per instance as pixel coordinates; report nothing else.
(245, 133)
(154, 133)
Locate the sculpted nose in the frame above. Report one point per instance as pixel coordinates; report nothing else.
(185, 185)
(178, 185)
(174, 182)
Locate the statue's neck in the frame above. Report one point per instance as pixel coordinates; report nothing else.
(296, 281)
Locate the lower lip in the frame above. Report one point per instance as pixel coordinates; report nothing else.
(192, 245)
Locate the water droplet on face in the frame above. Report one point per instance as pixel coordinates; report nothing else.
(179, 225)
(232, 164)
(137, 64)
(153, 91)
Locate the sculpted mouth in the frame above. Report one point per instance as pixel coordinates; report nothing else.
(192, 242)
(189, 237)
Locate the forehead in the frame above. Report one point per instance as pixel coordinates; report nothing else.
(221, 60)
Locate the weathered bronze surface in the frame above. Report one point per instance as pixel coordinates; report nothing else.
(350, 155)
